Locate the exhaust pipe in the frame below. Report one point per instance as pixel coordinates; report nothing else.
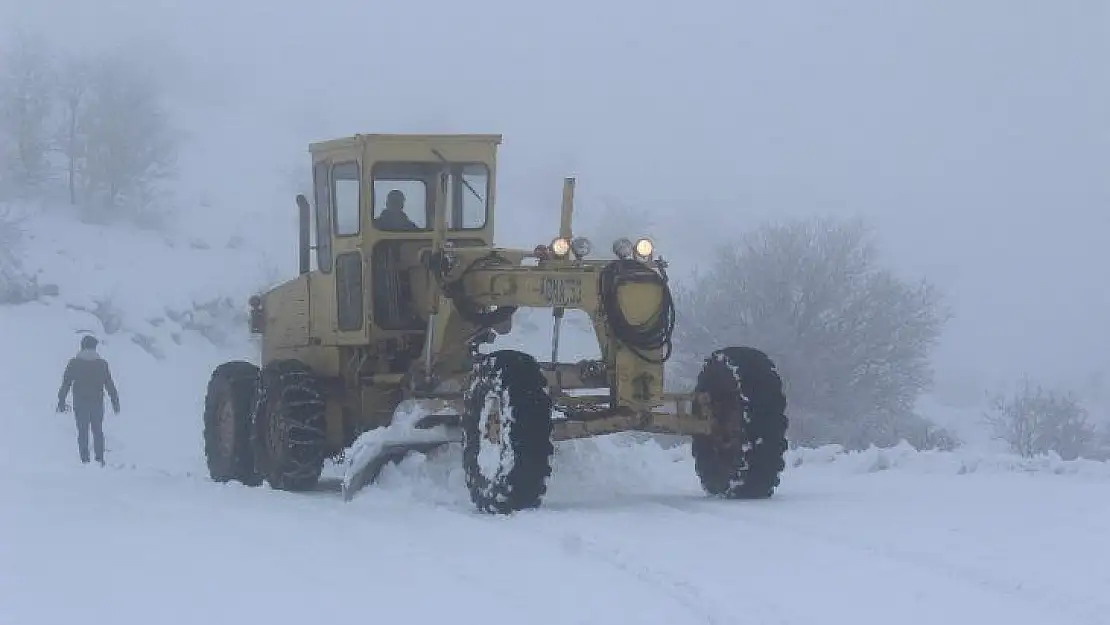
(305, 226)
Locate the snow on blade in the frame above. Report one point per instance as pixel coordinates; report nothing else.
(373, 448)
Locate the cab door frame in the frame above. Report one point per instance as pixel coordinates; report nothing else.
(340, 314)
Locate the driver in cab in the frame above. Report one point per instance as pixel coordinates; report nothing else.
(394, 217)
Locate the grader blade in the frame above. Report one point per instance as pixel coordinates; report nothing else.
(374, 449)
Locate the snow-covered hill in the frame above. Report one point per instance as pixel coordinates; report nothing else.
(625, 535)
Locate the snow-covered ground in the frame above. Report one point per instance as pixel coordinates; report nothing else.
(625, 534)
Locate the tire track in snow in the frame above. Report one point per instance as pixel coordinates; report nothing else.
(524, 528)
(1047, 605)
(729, 517)
(679, 589)
(463, 554)
(549, 520)
(937, 564)
(515, 537)
(551, 525)
(637, 537)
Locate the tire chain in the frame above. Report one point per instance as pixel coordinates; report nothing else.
(297, 396)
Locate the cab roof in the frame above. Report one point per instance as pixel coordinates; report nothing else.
(438, 139)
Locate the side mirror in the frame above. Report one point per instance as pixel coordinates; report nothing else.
(305, 227)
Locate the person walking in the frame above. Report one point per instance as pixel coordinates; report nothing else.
(89, 376)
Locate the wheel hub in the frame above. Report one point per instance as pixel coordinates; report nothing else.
(493, 421)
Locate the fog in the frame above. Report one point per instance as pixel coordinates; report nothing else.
(975, 136)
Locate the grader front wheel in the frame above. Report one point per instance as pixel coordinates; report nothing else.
(507, 431)
(744, 456)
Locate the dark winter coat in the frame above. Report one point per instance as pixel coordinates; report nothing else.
(393, 219)
(89, 376)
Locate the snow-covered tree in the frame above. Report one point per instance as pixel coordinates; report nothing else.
(25, 114)
(13, 282)
(1034, 420)
(850, 338)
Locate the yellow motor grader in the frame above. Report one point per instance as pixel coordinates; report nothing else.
(404, 299)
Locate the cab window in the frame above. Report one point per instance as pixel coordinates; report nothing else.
(397, 200)
(345, 197)
(323, 217)
(403, 197)
(470, 186)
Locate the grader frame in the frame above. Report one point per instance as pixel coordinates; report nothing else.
(400, 312)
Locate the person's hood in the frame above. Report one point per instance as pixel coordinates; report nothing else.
(88, 354)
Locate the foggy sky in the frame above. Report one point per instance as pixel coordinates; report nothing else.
(974, 135)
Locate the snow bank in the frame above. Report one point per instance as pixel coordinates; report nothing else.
(621, 466)
(147, 287)
(960, 461)
(596, 469)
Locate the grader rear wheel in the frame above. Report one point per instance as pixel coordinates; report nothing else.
(744, 457)
(507, 431)
(290, 428)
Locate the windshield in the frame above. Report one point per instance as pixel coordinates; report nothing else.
(403, 195)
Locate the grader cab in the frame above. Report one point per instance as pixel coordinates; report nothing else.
(402, 301)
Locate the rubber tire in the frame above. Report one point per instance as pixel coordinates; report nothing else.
(526, 435)
(745, 456)
(236, 383)
(290, 401)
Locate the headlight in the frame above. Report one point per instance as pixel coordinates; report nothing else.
(622, 247)
(580, 246)
(560, 247)
(644, 248)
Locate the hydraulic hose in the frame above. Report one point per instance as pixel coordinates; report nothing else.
(652, 336)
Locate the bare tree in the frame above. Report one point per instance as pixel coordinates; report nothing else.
(73, 92)
(851, 339)
(1034, 421)
(1101, 446)
(25, 113)
(104, 115)
(119, 141)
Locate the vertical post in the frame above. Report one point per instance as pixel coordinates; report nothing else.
(444, 201)
(566, 214)
(444, 204)
(556, 326)
(567, 211)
